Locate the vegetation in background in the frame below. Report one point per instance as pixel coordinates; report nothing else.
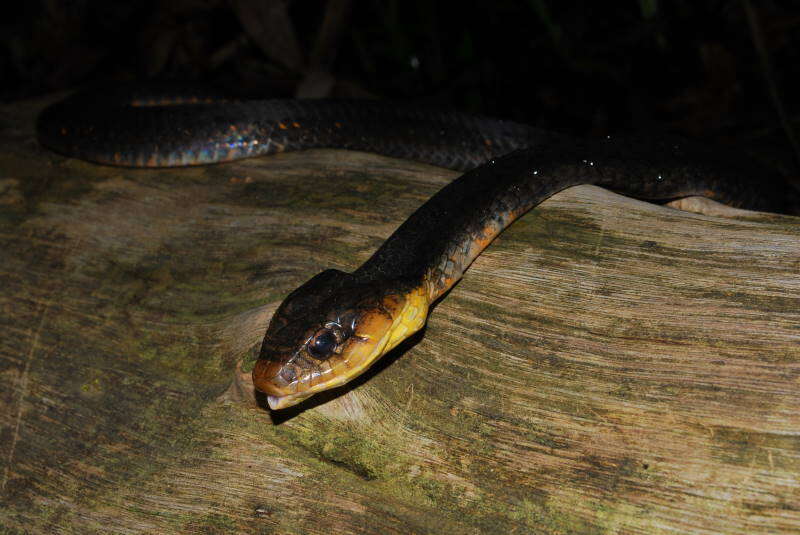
(717, 70)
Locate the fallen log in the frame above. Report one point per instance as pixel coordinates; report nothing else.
(606, 366)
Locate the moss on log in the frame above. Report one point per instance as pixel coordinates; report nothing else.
(607, 366)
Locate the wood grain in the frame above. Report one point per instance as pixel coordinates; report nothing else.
(607, 366)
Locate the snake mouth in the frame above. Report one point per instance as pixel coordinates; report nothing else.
(281, 402)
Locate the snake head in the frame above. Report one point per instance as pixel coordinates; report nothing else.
(328, 331)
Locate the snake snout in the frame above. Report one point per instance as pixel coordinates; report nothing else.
(270, 377)
(267, 378)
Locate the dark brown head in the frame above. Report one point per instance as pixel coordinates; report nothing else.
(328, 331)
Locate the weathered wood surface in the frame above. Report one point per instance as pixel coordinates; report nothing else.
(607, 366)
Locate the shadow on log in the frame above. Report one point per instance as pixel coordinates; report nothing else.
(607, 366)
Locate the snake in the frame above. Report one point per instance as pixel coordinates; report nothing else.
(337, 324)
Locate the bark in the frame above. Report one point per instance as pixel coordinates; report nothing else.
(607, 366)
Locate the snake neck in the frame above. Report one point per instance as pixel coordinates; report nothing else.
(411, 318)
(433, 248)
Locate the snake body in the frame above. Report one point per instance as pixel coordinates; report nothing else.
(337, 324)
(144, 130)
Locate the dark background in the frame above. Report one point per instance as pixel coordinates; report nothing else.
(719, 71)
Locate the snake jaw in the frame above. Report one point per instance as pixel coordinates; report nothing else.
(281, 402)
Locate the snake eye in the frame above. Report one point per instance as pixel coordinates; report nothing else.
(323, 344)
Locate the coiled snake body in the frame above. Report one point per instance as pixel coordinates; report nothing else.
(337, 324)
